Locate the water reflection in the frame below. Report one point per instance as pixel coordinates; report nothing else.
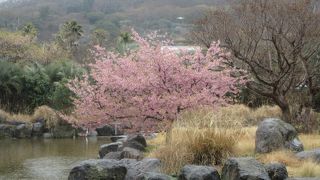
(44, 158)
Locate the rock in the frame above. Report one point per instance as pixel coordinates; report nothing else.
(138, 138)
(98, 169)
(155, 176)
(277, 171)
(7, 130)
(126, 169)
(106, 131)
(15, 123)
(23, 131)
(119, 138)
(63, 131)
(192, 172)
(137, 169)
(130, 153)
(274, 134)
(244, 169)
(106, 148)
(113, 155)
(37, 129)
(136, 142)
(312, 154)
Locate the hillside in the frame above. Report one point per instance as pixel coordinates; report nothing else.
(112, 15)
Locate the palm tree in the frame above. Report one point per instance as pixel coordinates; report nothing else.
(99, 36)
(125, 37)
(69, 34)
(124, 40)
(29, 30)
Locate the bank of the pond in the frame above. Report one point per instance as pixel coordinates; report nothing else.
(45, 158)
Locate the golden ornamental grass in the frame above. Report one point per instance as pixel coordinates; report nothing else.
(204, 136)
(50, 116)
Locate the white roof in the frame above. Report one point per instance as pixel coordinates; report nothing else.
(182, 48)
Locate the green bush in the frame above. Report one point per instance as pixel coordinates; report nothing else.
(25, 87)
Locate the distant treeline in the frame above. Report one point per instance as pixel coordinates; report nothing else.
(113, 16)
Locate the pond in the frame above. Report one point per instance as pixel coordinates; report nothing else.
(48, 159)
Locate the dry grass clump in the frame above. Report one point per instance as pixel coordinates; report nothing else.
(159, 140)
(47, 114)
(204, 136)
(194, 146)
(264, 112)
(295, 167)
(235, 114)
(21, 118)
(197, 137)
(207, 137)
(173, 156)
(310, 141)
(305, 169)
(210, 147)
(283, 156)
(246, 144)
(4, 116)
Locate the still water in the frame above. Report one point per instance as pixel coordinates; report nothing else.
(44, 159)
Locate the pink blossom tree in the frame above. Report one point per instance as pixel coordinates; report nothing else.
(151, 84)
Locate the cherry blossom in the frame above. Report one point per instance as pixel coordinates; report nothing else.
(151, 85)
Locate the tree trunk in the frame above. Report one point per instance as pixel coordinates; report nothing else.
(308, 122)
(282, 102)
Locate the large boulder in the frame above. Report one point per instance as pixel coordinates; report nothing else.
(23, 131)
(273, 134)
(277, 171)
(244, 169)
(63, 130)
(130, 153)
(113, 155)
(312, 155)
(7, 130)
(192, 172)
(137, 169)
(136, 142)
(107, 148)
(98, 169)
(106, 131)
(126, 169)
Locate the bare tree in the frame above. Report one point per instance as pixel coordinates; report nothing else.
(276, 41)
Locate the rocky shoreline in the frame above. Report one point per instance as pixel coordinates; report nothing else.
(123, 160)
(40, 129)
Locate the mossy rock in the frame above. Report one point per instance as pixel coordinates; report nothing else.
(97, 170)
(6, 130)
(63, 131)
